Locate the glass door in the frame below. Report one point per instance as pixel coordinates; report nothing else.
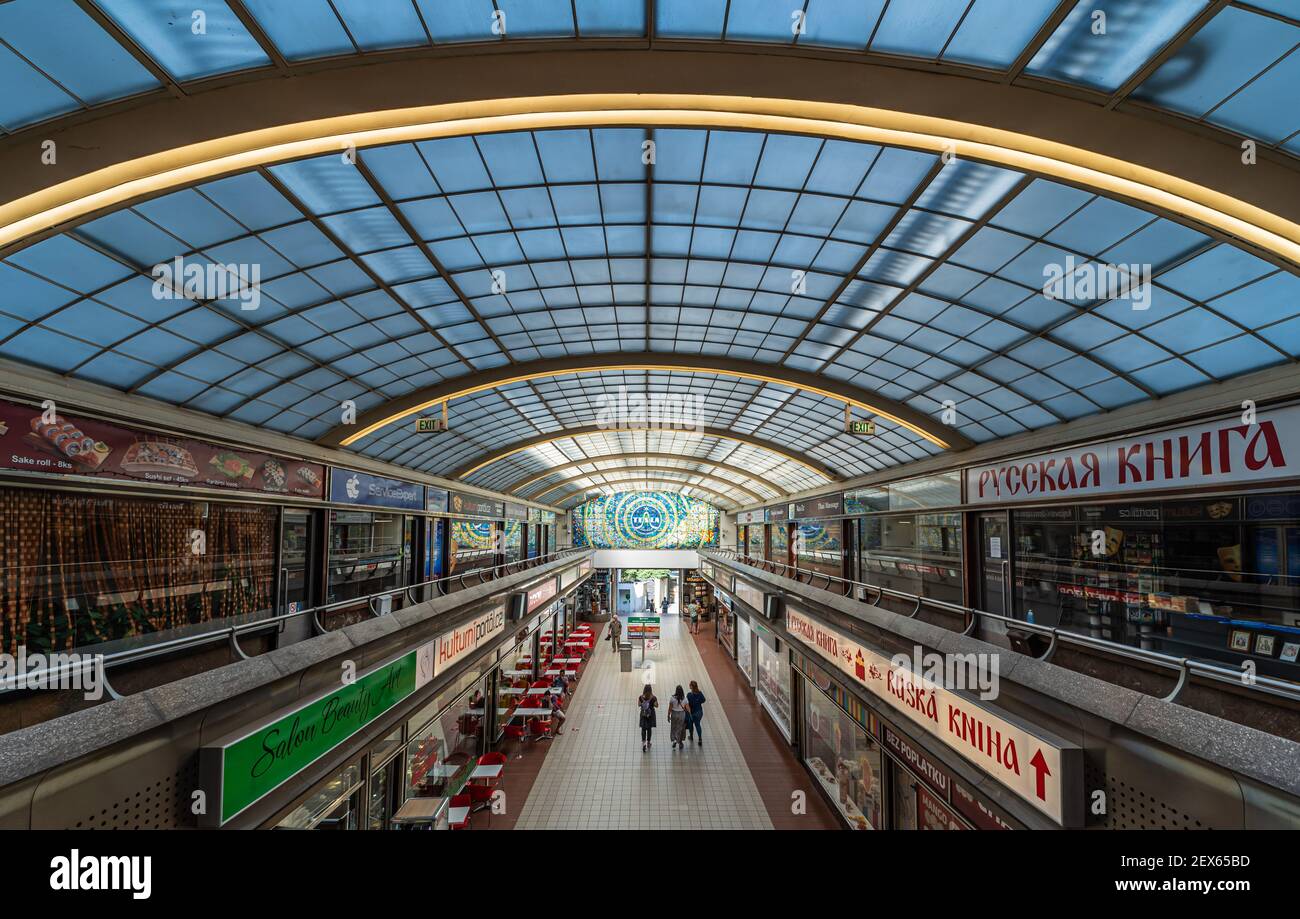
(995, 564)
(297, 560)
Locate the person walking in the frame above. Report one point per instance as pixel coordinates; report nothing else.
(646, 704)
(663, 606)
(695, 618)
(677, 718)
(615, 631)
(695, 711)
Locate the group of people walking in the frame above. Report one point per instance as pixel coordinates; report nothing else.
(685, 714)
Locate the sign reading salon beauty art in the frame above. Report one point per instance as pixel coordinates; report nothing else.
(1046, 773)
(1210, 453)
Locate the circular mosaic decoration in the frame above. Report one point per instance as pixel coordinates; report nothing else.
(646, 520)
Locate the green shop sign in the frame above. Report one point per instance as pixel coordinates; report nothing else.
(247, 769)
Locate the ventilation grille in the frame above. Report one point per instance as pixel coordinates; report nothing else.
(1130, 808)
(164, 805)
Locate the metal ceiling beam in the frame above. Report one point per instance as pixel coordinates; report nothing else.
(482, 381)
(543, 439)
(516, 487)
(752, 495)
(731, 503)
(148, 140)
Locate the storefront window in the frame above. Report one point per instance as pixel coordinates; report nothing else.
(77, 571)
(332, 806)
(533, 531)
(774, 685)
(916, 807)
(1207, 578)
(780, 543)
(473, 545)
(755, 536)
(817, 547)
(843, 758)
(512, 540)
(442, 752)
(369, 553)
(726, 624)
(913, 553)
(744, 649)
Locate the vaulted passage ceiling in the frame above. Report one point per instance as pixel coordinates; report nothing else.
(765, 276)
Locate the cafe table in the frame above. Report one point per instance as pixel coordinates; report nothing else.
(490, 771)
(419, 811)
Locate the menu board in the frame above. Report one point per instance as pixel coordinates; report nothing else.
(33, 440)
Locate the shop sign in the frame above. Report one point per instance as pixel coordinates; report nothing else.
(242, 772)
(975, 811)
(749, 593)
(540, 594)
(435, 500)
(917, 762)
(349, 487)
(515, 511)
(1211, 453)
(747, 517)
(1044, 772)
(931, 814)
(34, 440)
(463, 505)
(778, 514)
(466, 639)
(824, 506)
(1272, 507)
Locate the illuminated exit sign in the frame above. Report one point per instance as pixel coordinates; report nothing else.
(430, 425)
(860, 428)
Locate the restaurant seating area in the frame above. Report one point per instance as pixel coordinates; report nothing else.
(527, 719)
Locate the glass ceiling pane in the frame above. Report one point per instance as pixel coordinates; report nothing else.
(188, 43)
(1101, 43)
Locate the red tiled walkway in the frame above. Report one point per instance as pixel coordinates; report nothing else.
(771, 761)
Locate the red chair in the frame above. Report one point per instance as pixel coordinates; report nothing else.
(541, 684)
(493, 759)
(481, 798)
(462, 800)
(513, 732)
(539, 729)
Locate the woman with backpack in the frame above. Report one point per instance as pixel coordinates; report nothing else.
(677, 718)
(646, 705)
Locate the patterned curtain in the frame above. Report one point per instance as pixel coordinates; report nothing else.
(77, 570)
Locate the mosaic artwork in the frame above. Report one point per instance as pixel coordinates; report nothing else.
(472, 535)
(645, 520)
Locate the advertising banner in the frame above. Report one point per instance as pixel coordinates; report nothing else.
(349, 487)
(823, 506)
(464, 505)
(1209, 453)
(50, 443)
(464, 640)
(435, 500)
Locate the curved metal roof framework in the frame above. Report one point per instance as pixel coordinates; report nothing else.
(734, 255)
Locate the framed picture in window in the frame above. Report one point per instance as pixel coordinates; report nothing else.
(1264, 644)
(1240, 640)
(1290, 651)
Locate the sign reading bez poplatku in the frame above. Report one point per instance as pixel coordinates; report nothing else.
(1209, 453)
(1044, 773)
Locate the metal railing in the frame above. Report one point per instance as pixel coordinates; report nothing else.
(1184, 668)
(440, 587)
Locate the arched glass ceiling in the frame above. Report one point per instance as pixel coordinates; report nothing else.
(700, 452)
(922, 281)
(806, 425)
(1229, 65)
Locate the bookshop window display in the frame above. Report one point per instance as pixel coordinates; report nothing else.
(1182, 570)
(774, 685)
(844, 759)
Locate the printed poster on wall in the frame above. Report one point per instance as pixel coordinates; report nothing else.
(32, 440)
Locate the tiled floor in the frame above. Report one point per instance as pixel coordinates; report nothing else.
(596, 777)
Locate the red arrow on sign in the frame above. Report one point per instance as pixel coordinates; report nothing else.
(1040, 767)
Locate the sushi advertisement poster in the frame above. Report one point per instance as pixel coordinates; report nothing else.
(33, 440)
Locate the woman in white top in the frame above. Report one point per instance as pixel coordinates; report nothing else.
(677, 717)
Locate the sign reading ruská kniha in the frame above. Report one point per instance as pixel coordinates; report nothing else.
(240, 772)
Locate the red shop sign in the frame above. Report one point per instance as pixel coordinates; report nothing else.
(51, 443)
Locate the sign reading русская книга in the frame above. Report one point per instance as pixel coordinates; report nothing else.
(1221, 452)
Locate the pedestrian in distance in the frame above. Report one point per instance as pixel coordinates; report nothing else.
(695, 713)
(646, 704)
(677, 718)
(695, 618)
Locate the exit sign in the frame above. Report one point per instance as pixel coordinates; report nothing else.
(863, 428)
(430, 425)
